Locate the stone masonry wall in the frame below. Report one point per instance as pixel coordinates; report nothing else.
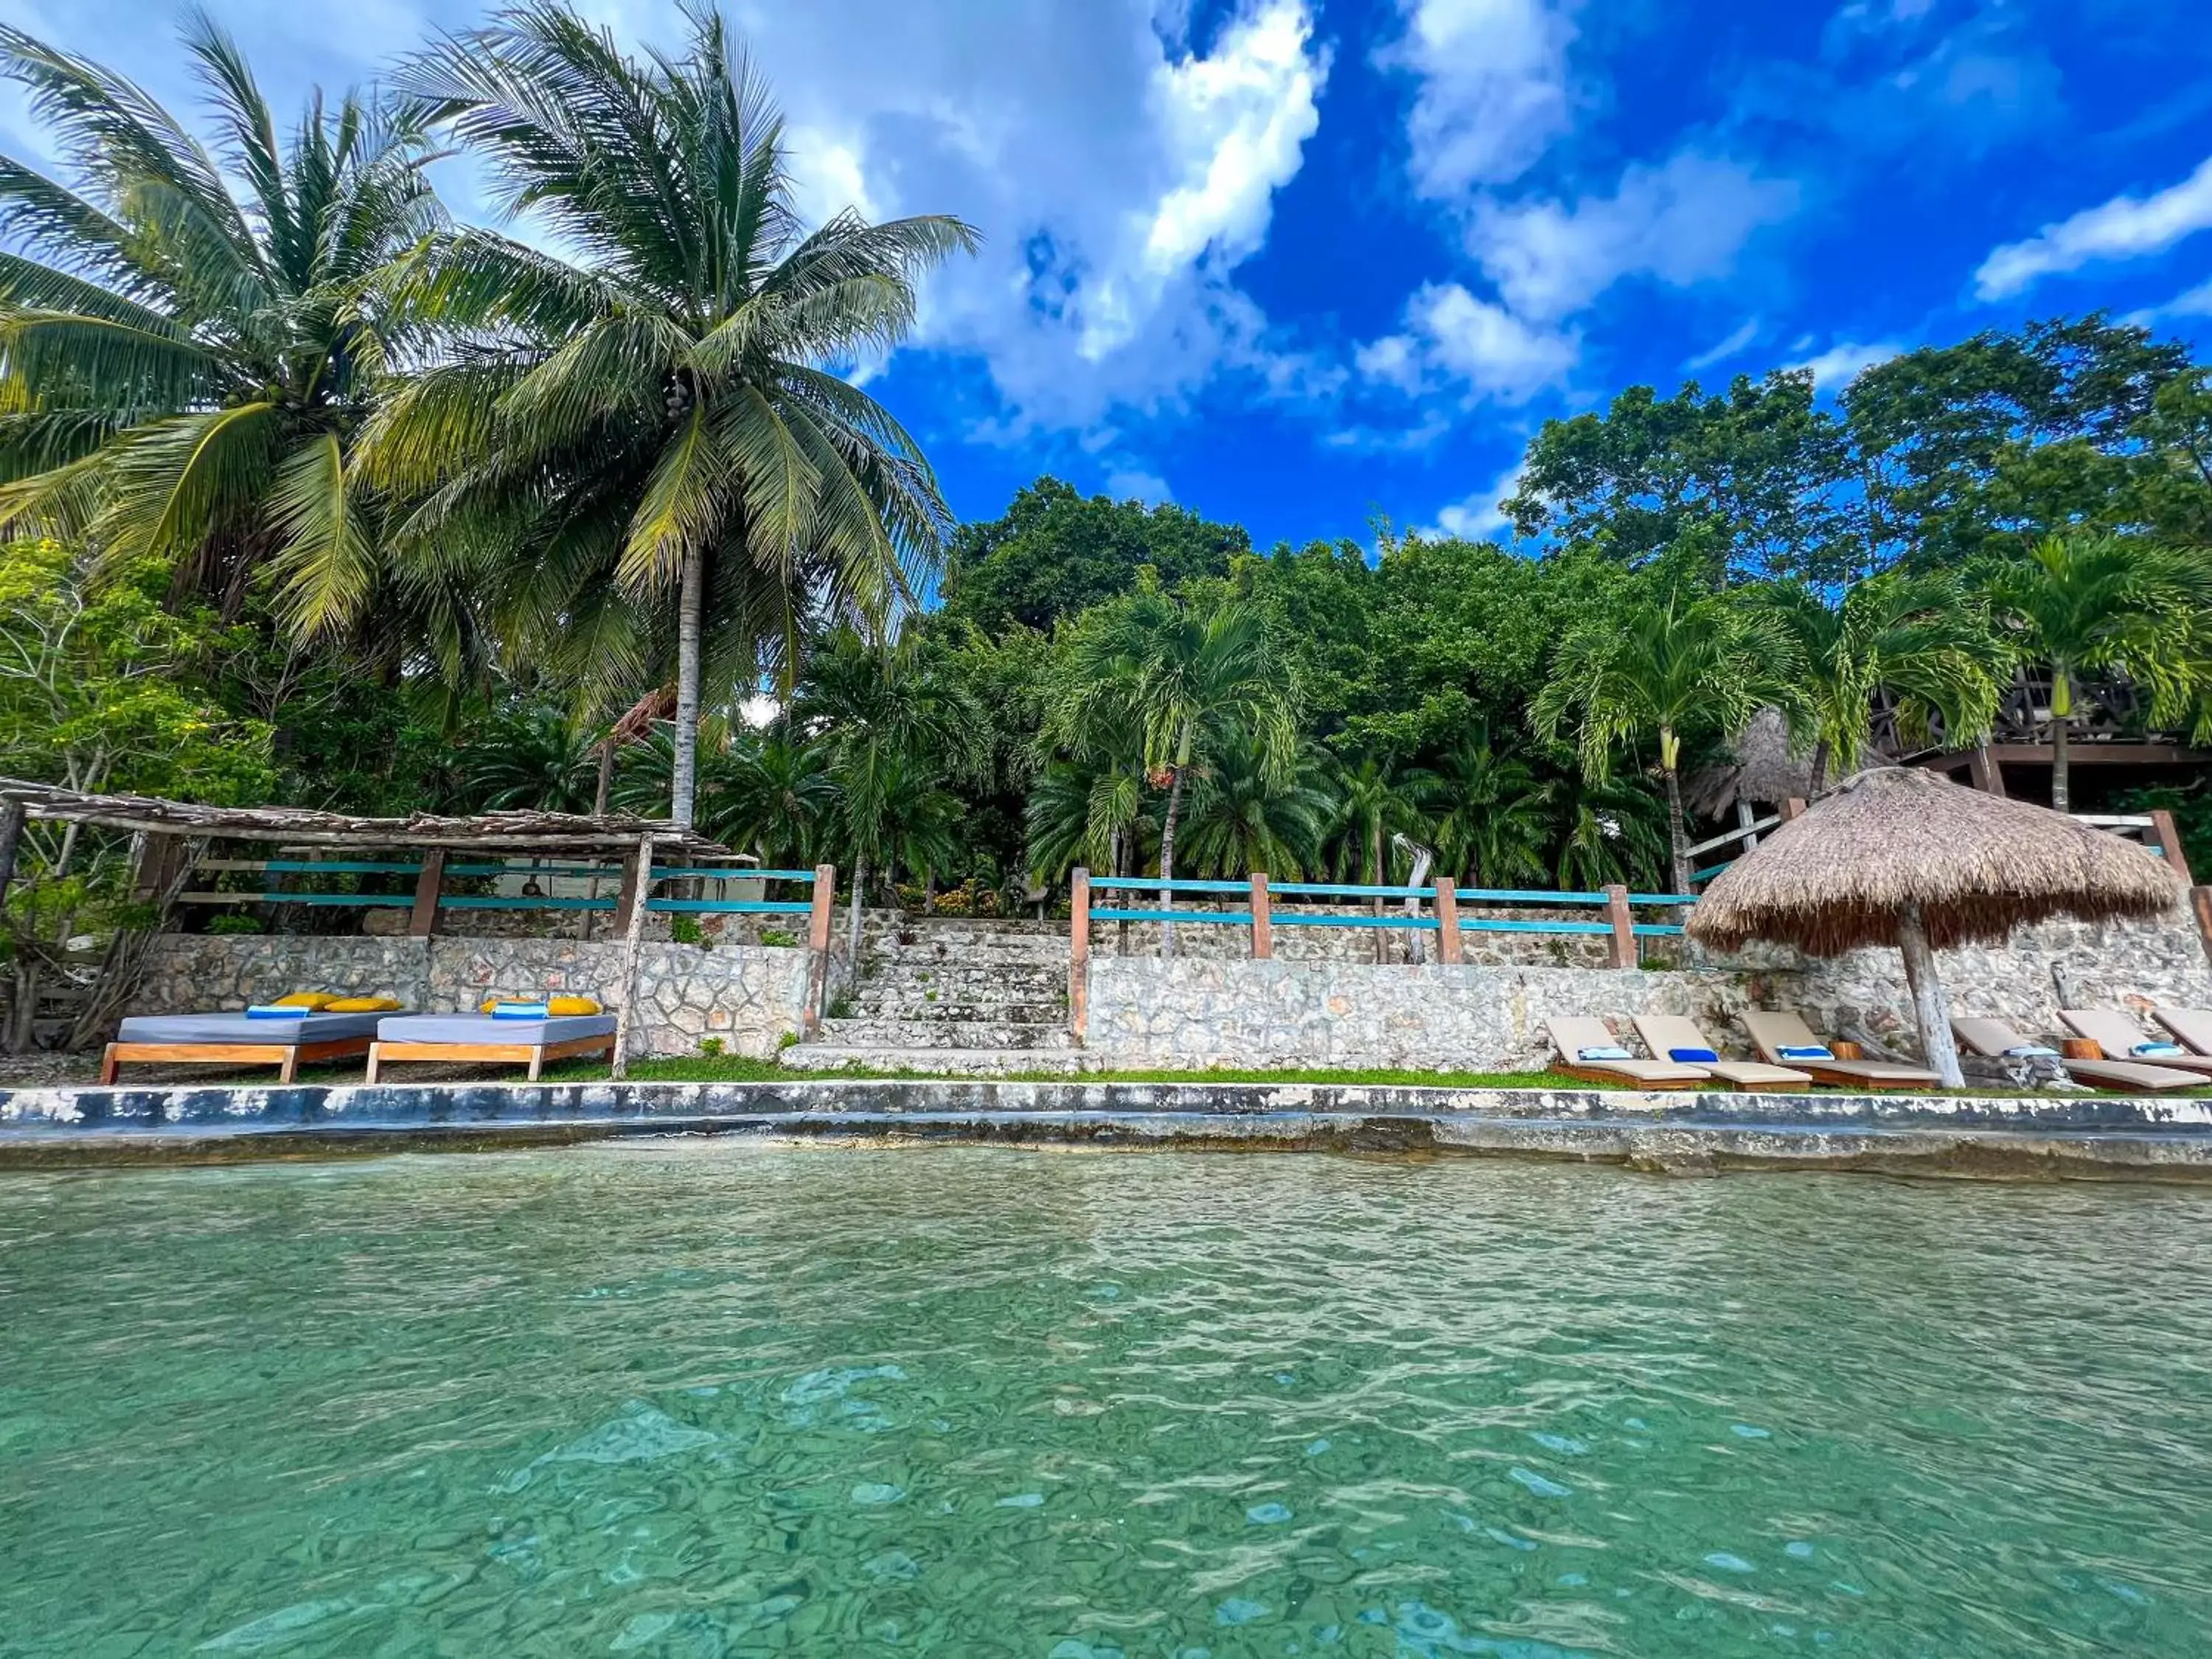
(748, 996)
(1202, 1012)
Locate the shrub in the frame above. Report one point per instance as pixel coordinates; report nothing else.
(685, 930)
(778, 938)
(710, 1047)
(231, 922)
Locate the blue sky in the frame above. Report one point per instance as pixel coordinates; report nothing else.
(1297, 262)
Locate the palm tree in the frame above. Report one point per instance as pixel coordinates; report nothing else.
(1664, 669)
(1608, 831)
(660, 419)
(779, 804)
(184, 370)
(1376, 800)
(880, 717)
(535, 757)
(1491, 817)
(2109, 603)
(1239, 820)
(1190, 680)
(1920, 638)
(1086, 810)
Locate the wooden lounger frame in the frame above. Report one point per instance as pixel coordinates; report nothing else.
(1598, 1074)
(533, 1055)
(286, 1056)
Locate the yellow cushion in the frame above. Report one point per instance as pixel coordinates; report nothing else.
(361, 1005)
(572, 1005)
(317, 999)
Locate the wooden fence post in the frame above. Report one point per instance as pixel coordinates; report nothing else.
(11, 837)
(1448, 941)
(1079, 956)
(423, 920)
(1263, 918)
(1623, 943)
(819, 922)
(2169, 843)
(640, 885)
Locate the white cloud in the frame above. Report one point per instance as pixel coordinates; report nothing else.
(1452, 338)
(1493, 88)
(2196, 302)
(1843, 363)
(2126, 228)
(1135, 484)
(1720, 353)
(1477, 518)
(1684, 221)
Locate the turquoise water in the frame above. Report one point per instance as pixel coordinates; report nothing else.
(695, 1399)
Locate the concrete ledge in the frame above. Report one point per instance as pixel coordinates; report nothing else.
(2050, 1136)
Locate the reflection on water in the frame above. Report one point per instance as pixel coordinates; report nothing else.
(689, 1401)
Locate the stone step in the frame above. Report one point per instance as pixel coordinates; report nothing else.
(956, 1062)
(943, 1034)
(968, 973)
(866, 1007)
(927, 947)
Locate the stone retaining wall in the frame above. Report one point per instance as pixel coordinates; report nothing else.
(747, 995)
(1206, 1012)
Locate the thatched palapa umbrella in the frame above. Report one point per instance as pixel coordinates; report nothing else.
(1899, 856)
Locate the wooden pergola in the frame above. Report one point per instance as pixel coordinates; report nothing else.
(173, 823)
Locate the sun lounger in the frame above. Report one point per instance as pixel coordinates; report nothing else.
(2192, 1027)
(482, 1039)
(1773, 1032)
(1664, 1033)
(239, 1039)
(2118, 1035)
(1993, 1039)
(1573, 1036)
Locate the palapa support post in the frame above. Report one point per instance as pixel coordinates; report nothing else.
(1263, 918)
(1448, 940)
(1929, 1008)
(2169, 844)
(1621, 946)
(639, 884)
(1079, 956)
(1983, 769)
(821, 920)
(2200, 904)
(423, 920)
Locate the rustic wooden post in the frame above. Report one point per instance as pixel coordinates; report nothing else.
(1792, 808)
(639, 884)
(819, 922)
(1622, 953)
(2169, 843)
(423, 920)
(1263, 918)
(11, 837)
(1984, 773)
(2200, 902)
(1448, 943)
(1079, 956)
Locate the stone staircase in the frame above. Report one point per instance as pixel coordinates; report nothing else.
(976, 998)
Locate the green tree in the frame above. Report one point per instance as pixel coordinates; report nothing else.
(183, 371)
(1240, 819)
(1055, 553)
(1376, 800)
(533, 757)
(1708, 663)
(1191, 679)
(1921, 639)
(659, 421)
(1608, 831)
(1490, 815)
(2105, 603)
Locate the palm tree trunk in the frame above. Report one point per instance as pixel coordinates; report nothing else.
(1820, 751)
(1167, 859)
(853, 917)
(1123, 840)
(604, 792)
(1375, 863)
(1678, 839)
(2062, 785)
(684, 774)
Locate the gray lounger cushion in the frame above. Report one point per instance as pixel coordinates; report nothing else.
(482, 1027)
(237, 1028)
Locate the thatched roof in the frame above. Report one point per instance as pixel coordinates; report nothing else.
(1977, 865)
(512, 832)
(1764, 770)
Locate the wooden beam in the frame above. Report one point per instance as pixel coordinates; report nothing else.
(1792, 808)
(1986, 774)
(1263, 918)
(1078, 956)
(632, 950)
(819, 921)
(2168, 834)
(2200, 905)
(1450, 950)
(423, 920)
(1621, 952)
